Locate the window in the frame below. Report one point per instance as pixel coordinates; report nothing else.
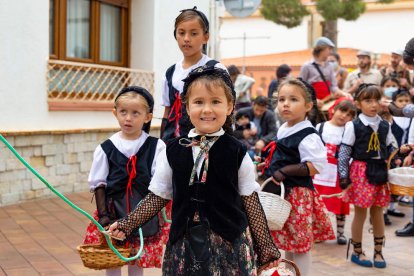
(91, 31)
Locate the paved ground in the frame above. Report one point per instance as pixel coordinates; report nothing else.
(40, 238)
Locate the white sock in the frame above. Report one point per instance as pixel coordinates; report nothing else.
(113, 272)
(134, 270)
(392, 206)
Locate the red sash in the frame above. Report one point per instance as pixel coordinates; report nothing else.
(321, 89)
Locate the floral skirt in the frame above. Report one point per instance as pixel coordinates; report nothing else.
(227, 258)
(363, 194)
(153, 246)
(308, 222)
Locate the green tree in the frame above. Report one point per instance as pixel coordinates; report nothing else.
(290, 13)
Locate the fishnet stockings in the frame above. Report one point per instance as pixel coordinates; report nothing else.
(264, 246)
(344, 155)
(145, 210)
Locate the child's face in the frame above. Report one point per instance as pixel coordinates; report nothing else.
(243, 121)
(390, 83)
(340, 118)
(131, 114)
(207, 109)
(402, 101)
(191, 37)
(291, 104)
(370, 107)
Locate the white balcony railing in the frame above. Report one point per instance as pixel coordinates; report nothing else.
(74, 86)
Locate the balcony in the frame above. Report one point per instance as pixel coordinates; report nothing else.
(74, 86)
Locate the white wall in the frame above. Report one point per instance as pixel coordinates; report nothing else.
(24, 51)
(278, 38)
(377, 31)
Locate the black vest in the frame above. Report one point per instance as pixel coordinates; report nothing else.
(398, 133)
(184, 122)
(362, 138)
(218, 199)
(117, 181)
(287, 153)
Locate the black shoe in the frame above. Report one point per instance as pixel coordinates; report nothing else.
(395, 213)
(387, 220)
(341, 239)
(405, 201)
(407, 231)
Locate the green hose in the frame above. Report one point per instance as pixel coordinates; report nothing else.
(108, 240)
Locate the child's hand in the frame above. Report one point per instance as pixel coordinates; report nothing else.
(114, 232)
(408, 161)
(404, 149)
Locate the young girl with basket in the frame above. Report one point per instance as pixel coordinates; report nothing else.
(121, 170)
(327, 183)
(191, 30)
(218, 224)
(368, 140)
(299, 155)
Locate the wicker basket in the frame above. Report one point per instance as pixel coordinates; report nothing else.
(276, 208)
(100, 256)
(400, 180)
(283, 265)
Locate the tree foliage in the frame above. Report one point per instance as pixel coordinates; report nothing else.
(290, 13)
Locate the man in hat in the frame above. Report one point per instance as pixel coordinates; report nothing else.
(396, 70)
(364, 73)
(320, 74)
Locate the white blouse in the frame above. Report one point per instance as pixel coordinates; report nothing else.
(100, 167)
(331, 134)
(404, 124)
(311, 148)
(179, 74)
(161, 183)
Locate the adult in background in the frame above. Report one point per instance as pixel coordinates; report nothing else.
(396, 70)
(282, 72)
(340, 72)
(364, 73)
(242, 85)
(320, 74)
(264, 120)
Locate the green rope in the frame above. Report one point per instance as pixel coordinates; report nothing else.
(108, 240)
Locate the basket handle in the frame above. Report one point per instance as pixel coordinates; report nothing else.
(392, 155)
(297, 271)
(271, 179)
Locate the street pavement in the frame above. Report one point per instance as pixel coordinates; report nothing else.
(40, 238)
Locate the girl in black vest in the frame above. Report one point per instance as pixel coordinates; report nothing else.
(191, 30)
(299, 155)
(368, 140)
(218, 224)
(121, 171)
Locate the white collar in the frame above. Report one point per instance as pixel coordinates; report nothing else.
(366, 120)
(193, 133)
(285, 130)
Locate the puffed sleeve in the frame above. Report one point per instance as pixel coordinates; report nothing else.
(247, 177)
(99, 169)
(349, 134)
(160, 147)
(161, 182)
(312, 150)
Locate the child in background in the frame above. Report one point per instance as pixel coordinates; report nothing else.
(400, 127)
(299, 155)
(389, 85)
(368, 140)
(242, 85)
(327, 183)
(218, 224)
(121, 171)
(191, 30)
(243, 123)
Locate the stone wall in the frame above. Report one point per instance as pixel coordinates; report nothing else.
(62, 158)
